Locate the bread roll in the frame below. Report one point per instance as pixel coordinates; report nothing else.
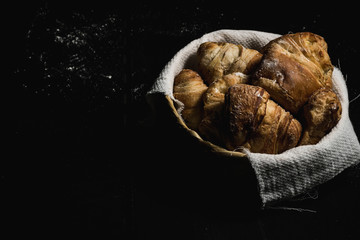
(291, 76)
(189, 89)
(293, 67)
(321, 114)
(219, 59)
(211, 125)
(258, 123)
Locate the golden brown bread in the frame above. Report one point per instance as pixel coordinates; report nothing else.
(321, 114)
(245, 108)
(211, 125)
(246, 62)
(215, 94)
(293, 67)
(291, 75)
(189, 89)
(258, 123)
(219, 59)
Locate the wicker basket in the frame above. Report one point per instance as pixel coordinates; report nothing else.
(279, 176)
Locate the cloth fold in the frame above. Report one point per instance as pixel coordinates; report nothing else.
(293, 172)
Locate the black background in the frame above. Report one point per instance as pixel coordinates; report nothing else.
(86, 159)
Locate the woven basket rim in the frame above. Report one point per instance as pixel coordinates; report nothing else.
(212, 146)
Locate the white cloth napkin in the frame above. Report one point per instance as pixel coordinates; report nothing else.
(293, 172)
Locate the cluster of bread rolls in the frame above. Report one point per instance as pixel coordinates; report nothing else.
(267, 101)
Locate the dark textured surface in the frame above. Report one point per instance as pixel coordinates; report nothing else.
(85, 160)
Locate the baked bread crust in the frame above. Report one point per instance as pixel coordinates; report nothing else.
(211, 126)
(249, 98)
(189, 89)
(219, 59)
(321, 113)
(293, 67)
(258, 123)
